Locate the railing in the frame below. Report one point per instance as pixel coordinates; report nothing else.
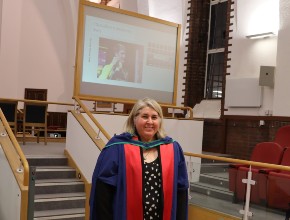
(17, 159)
(245, 208)
(238, 161)
(14, 140)
(79, 105)
(189, 110)
(247, 182)
(88, 112)
(18, 150)
(37, 101)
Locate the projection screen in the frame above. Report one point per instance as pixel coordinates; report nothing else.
(125, 56)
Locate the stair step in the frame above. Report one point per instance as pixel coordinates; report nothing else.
(59, 201)
(48, 168)
(55, 160)
(214, 168)
(56, 181)
(52, 188)
(210, 190)
(56, 172)
(63, 217)
(59, 187)
(205, 160)
(59, 195)
(216, 179)
(67, 214)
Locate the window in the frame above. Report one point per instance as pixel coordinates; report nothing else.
(216, 48)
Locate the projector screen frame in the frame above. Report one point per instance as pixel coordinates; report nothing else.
(80, 54)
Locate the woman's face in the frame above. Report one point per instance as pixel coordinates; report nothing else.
(147, 124)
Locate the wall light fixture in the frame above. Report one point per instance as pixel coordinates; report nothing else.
(262, 35)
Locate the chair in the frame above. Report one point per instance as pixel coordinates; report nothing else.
(9, 109)
(265, 152)
(282, 136)
(278, 185)
(35, 119)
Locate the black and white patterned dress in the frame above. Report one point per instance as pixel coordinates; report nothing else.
(152, 190)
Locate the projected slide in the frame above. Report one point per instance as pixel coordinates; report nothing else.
(113, 60)
(127, 57)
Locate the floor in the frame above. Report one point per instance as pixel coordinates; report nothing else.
(52, 148)
(260, 213)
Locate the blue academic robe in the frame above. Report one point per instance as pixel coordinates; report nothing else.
(120, 166)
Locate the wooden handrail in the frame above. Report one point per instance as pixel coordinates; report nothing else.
(239, 161)
(130, 102)
(37, 101)
(86, 110)
(17, 148)
(13, 138)
(89, 130)
(181, 108)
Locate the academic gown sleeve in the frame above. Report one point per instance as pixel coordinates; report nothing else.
(104, 183)
(182, 187)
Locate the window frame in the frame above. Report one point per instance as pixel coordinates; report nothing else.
(213, 51)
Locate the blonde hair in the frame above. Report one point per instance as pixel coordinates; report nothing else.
(139, 105)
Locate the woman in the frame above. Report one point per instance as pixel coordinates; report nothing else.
(140, 174)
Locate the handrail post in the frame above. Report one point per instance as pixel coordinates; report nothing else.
(31, 193)
(249, 182)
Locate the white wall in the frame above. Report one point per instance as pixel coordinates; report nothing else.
(37, 48)
(10, 193)
(81, 147)
(174, 11)
(38, 41)
(282, 79)
(253, 17)
(38, 38)
(85, 153)
(10, 44)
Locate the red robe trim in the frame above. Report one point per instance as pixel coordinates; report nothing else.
(134, 180)
(167, 161)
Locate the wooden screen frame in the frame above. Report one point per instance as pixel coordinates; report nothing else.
(79, 54)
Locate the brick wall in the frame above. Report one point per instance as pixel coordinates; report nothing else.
(239, 136)
(196, 52)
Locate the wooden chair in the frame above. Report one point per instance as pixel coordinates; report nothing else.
(35, 119)
(9, 109)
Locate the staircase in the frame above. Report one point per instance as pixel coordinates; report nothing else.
(58, 193)
(213, 180)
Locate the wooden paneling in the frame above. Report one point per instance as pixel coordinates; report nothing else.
(35, 94)
(57, 120)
